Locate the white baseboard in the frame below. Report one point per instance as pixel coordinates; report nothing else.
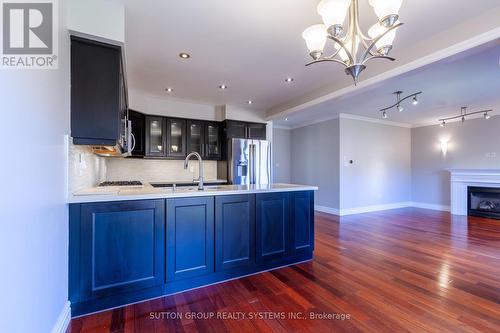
(377, 208)
(424, 205)
(328, 210)
(63, 320)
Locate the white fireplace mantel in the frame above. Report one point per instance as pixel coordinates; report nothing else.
(461, 179)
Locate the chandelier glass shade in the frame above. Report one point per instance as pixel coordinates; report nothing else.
(348, 38)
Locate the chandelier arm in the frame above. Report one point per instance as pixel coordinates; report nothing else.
(465, 115)
(404, 99)
(368, 50)
(342, 45)
(377, 56)
(365, 45)
(326, 60)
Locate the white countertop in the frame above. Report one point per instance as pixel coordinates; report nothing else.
(115, 193)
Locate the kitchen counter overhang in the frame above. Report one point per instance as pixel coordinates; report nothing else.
(100, 194)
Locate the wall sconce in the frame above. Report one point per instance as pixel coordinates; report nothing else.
(444, 145)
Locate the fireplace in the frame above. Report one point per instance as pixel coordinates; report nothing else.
(484, 202)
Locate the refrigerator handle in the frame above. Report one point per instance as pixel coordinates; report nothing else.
(252, 164)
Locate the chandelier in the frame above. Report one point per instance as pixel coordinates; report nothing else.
(399, 101)
(463, 114)
(347, 38)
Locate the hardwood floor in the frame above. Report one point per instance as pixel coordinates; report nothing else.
(404, 270)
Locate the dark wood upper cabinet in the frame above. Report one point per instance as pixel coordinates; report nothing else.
(196, 136)
(243, 130)
(213, 141)
(176, 137)
(97, 100)
(256, 131)
(235, 129)
(139, 132)
(156, 136)
(205, 138)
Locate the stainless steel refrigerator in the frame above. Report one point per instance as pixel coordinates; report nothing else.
(249, 162)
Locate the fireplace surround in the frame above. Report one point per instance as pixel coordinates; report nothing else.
(462, 179)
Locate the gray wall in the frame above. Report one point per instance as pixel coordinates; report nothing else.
(282, 159)
(315, 160)
(473, 144)
(381, 172)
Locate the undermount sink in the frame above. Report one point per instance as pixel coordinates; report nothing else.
(184, 186)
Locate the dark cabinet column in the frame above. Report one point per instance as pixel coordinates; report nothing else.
(234, 232)
(176, 137)
(213, 141)
(155, 136)
(121, 247)
(273, 226)
(190, 237)
(195, 137)
(302, 210)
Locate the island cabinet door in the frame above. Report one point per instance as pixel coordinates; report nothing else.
(190, 237)
(302, 210)
(272, 226)
(121, 247)
(234, 232)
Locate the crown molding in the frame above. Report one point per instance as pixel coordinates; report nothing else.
(374, 120)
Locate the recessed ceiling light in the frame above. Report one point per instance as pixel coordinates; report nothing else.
(184, 55)
(223, 87)
(250, 102)
(289, 79)
(169, 89)
(286, 119)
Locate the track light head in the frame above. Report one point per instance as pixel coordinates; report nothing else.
(415, 100)
(486, 115)
(443, 124)
(384, 115)
(400, 108)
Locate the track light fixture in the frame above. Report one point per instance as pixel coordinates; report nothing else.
(464, 114)
(398, 105)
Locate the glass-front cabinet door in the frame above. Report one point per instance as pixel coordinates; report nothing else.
(213, 141)
(155, 136)
(176, 137)
(195, 137)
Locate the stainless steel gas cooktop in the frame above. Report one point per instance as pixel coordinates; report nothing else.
(121, 183)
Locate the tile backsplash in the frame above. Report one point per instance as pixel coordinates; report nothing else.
(85, 169)
(149, 170)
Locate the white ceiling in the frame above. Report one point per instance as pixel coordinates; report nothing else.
(471, 78)
(253, 45)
